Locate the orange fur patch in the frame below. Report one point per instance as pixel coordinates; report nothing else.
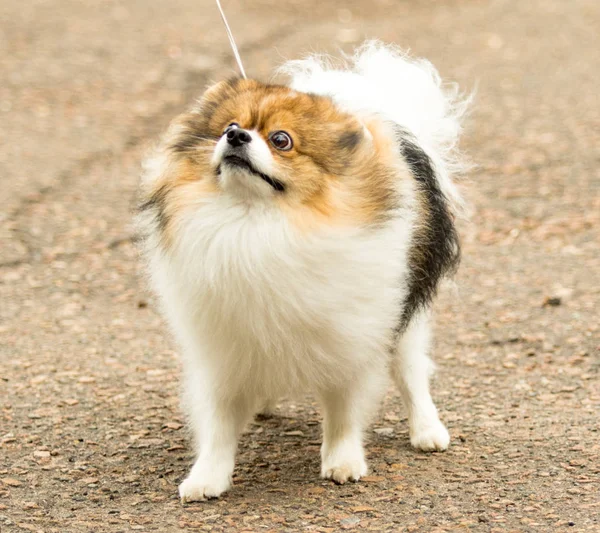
(183, 184)
(337, 172)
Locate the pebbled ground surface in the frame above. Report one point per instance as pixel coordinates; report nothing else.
(91, 435)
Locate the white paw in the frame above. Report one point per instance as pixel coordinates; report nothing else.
(341, 468)
(204, 483)
(429, 436)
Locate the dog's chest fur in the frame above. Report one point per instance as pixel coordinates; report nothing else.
(277, 311)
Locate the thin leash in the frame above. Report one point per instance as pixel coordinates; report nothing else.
(232, 41)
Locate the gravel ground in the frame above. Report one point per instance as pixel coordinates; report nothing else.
(91, 434)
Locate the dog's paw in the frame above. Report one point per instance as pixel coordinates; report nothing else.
(203, 484)
(429, 436)
(268, 411)
(344, 469)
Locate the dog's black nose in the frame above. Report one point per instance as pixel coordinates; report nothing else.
(238, 136)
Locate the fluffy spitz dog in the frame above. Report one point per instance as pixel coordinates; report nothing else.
(296, 235)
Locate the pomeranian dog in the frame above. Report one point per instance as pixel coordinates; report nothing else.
(296, 235)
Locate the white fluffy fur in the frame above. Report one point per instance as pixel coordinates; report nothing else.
(262, 313)
(384, 80)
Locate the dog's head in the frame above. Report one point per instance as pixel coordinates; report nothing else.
(270, 144)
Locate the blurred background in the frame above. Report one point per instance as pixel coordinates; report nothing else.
(91, 436)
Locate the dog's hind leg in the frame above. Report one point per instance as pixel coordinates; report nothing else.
(411, 369)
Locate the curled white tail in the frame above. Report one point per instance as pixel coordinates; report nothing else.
(383, 80)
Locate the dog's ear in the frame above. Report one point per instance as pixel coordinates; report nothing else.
(435, 248)
(220, 90)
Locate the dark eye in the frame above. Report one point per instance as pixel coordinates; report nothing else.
(281, 140)
(231, 126)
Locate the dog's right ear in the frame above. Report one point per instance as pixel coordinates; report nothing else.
(212, 91)
(219, 92)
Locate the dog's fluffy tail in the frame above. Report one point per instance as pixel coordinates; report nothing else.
(382, 79)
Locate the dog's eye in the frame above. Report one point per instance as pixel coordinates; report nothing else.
(231, 126)
(281, 140)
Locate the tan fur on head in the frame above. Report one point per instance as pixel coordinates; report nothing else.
(338, 172)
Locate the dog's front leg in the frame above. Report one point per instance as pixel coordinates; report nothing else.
(216, 423)
(346, 412)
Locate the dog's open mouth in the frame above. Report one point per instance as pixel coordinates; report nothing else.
(240, 162)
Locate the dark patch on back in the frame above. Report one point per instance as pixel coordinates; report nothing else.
(435, 247)
(349, 140)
